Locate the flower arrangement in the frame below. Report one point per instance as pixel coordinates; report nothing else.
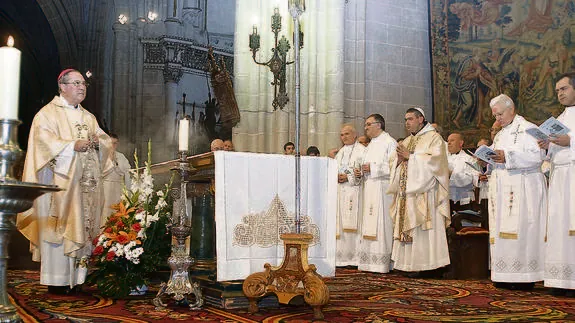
(135, 239)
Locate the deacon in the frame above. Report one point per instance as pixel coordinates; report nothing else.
(461, 173)
(377, 227)
(348, 220)
(420, 185)
(560, 255)
(67, 148)
(114, 179)
(517, 201)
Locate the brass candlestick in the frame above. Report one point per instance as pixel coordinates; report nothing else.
(15, 197)
(180, 261)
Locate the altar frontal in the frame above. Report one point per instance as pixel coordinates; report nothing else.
(255, 204)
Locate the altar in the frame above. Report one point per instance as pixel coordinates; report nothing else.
(241, 203)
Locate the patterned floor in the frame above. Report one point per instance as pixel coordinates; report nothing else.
(355, 297)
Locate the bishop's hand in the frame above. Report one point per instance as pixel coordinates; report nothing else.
(81, 145)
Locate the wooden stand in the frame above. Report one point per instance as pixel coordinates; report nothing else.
(294, 277)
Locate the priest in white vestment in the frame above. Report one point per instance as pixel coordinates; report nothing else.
(560, 254)
(114, 179)
(377, 227)
(349, 193)
(420, 186)
(67, 148)
(462, 173)
(517, 201)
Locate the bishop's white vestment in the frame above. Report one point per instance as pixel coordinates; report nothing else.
(420, 208)
(560, 255)
(61, 225)
(113, 181)
(517, 207)
(348, 222)
(377, 230)
(462, 177)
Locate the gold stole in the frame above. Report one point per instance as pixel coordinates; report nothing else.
(403, 219)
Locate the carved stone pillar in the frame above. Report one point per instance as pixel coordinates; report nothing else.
(173, 17)
(172, 75)
(121, 92)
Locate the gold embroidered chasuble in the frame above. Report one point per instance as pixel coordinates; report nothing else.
(426, 172)
(51, 159)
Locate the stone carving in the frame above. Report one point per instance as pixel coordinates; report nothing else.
(192, 57)
(173, 73)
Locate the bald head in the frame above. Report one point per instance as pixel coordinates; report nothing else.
(454, 143)
(217, 144)
(348, 134)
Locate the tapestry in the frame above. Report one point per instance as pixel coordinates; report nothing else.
(255, 205)
(482, 48)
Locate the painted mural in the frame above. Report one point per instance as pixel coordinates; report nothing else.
(482, 48)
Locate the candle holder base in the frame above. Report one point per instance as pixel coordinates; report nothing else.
(15, 197)
(180, 261)
(294, 277)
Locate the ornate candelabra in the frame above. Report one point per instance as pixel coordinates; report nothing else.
(277, 64)
(294, 277)
(180, 261)
(15, 197)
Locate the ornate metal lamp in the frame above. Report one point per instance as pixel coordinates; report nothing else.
(294, 277)
(277, 64)
(180, 261)
(15, 197)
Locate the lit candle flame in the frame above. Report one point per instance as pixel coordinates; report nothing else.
(10, 41)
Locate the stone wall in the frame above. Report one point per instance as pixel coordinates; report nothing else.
(387, 64)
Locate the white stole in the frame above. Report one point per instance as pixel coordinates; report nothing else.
(348, 202)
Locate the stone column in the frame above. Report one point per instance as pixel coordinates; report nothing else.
(121, 80)
(172, 75)
(173, 18)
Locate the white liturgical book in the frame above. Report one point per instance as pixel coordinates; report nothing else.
(550, 127)
(485, 153)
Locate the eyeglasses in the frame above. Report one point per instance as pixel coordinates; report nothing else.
(367, 124)
(78, 83)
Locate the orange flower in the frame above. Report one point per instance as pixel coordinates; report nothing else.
(121, 210)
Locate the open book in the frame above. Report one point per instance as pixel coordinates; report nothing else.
(551, 126)
(485, 153)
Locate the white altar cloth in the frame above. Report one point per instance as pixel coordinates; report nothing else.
(255, 203)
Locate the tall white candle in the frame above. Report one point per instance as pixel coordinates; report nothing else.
(183, 134)
(9, 80)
